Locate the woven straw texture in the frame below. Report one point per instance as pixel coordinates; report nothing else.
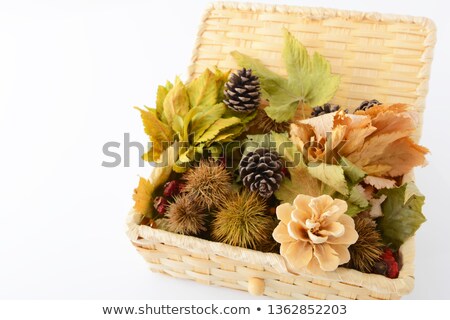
(378, 56)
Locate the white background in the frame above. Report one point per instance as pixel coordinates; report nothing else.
(70, 72)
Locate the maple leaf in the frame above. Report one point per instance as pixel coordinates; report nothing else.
(402, 215)
(309, 82)
(142, 197)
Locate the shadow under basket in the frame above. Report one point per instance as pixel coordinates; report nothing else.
(384, 57)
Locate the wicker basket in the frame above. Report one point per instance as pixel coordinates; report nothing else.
(378, 56)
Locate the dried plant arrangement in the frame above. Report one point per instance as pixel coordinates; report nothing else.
(263, 167)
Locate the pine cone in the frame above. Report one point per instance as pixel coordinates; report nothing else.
(326, 108)
(242, 93)
(368, 104)
(261, 171)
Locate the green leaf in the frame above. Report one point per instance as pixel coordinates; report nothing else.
(412, 190)
(301, 182)
(203, 90)
(332, 175)
(203, 118)
(402, 215)
(270, 82)
(215, 150)
(176, 102)
(278, 142)
(358, 197)
(229, 134)
(282, 107)
(221, 79)
(310, 78)
(309, 81)
(354, 173)
(353, 209)
(216, 127)
(158, 132)
(245, 117)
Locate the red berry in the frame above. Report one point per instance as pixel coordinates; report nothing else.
(393, 270)
(160, 205)
(172, 188)
(391, 264)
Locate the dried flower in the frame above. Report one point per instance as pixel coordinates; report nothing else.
(315, 233)
(243, 221)
(365, 252)
(186, 216)
(377, 140)
(209, 183)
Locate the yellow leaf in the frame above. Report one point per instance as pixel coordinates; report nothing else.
(160, 134)
(176, 102)
(217, 127)
(203, 90)
(143, 197)
(163, 167)
(143, 194)
(332, 175)
(203, 118)
(160, 96)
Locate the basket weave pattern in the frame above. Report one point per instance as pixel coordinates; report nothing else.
(378, 56)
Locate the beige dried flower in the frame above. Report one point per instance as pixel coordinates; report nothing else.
(315, 233)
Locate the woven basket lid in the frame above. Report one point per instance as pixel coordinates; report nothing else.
(383, 57)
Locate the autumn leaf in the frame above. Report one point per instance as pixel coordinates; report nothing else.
(379, 183)
(354, 173)
(309, 81)
(203, 90)
(143, 194)
(203, 118)
(216, 128)
(402, 215)
(332, 175)
(176, 102)
(300, 182)
(309, 77)
(142, 197)
(159, 133)
(161, 94)
(221, 78)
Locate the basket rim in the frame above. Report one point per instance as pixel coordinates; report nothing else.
(142, 235)
(317, 13)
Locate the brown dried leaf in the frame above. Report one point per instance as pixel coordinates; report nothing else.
(403, 155)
